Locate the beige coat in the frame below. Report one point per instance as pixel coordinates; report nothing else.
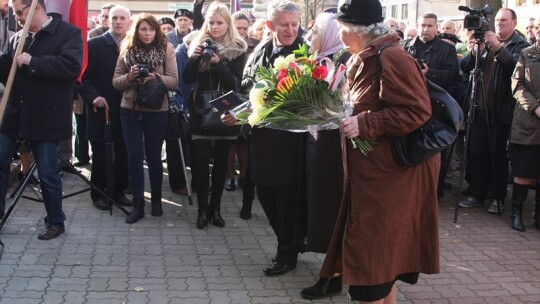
(526, 87)
(169, 77)
(388, 222)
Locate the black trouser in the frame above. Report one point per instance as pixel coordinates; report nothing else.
(81, 141)
(99, 173)
(177, 179)
(248, 188)
(280, 204)
(488, 157)
(201, 151)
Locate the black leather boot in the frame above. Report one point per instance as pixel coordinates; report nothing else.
(245, 212)
(325, 287)
(519, 195)
(230, 184)
(214, 211)
(202, 217)
(137, 213)
(157, 210)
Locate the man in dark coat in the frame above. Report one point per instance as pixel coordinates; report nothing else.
(439, 64)
(489, 132)
(40, 104)
(99, 94)
(278, 157)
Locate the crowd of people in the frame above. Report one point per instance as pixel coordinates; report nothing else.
(318, 193)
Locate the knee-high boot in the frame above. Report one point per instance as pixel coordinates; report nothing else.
(157, 210)
(519, 195)
(215, 213)
(202, 217)
(537, 207)
(137, 213)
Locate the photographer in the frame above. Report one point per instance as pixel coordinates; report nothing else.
(217, 56)
(39, 108)
(488, 134)
(145, 55)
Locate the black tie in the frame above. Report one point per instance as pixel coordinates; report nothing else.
(28, 41)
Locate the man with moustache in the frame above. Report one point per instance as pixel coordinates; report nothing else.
(39, 108)
(183, 19)
(99, 95)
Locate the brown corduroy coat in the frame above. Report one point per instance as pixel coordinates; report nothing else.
(388, 222)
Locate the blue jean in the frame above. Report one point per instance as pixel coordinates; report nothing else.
(51, 183)
(144, 132)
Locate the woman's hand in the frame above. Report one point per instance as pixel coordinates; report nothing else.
(133, 73)
(228, 119)
(151, 77)
(537, 111)
(214, 59)
(198, 51)
(349, 127)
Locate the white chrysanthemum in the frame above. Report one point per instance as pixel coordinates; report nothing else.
(283, 62)
(256, 96)
(254, 118)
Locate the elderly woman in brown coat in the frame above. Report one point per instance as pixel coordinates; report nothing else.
(387, 229)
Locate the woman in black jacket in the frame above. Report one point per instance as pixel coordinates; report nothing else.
(220, 71)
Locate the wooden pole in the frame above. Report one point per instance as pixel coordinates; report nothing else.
(18, 51)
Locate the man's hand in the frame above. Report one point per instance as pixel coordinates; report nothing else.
(100, 102)
(349, 127)
(492, 39)
(23, 59)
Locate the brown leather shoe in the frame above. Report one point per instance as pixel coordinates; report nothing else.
(51, 232)
(181, 191)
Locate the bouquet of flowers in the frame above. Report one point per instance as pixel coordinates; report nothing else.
(299, 93)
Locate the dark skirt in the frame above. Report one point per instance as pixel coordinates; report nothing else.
(378, 292)
(525, 160)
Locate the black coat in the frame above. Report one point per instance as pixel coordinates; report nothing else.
(501, 78)
(41, 101)
(225, 74)
(97, 81)
(277, 157)
(441, 59)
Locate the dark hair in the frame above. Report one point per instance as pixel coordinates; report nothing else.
(240, 16)
(430, 16)
(107, 6)
(132, 40)
(514, 16)
(29, 2)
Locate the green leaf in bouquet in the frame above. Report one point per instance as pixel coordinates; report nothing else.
(302, 51)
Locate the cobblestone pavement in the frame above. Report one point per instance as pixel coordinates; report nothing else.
(100, 259)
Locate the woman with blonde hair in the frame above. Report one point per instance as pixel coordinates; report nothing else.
(144, 57)
(219, 68)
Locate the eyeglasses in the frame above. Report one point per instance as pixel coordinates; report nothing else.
(21, 11)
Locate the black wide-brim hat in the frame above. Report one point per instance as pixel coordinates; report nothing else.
(361, 12)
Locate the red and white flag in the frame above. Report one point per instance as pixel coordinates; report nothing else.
(74, 12)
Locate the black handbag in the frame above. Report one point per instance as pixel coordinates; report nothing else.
(177, 126)
(438, 133)
(210, 116)
(150, 94)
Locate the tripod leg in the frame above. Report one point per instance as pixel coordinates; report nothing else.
(93, 187)
(20, 189)
(188, 184)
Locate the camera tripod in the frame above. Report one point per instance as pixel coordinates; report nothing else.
(473, 91)
(19, 190)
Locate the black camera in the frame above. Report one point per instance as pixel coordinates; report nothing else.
(477, 19)
(208, 49)
(144, 70)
